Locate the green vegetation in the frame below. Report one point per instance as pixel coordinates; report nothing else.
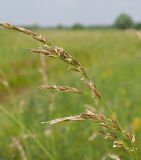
(111, 57)
(77, 26)
(124, 21)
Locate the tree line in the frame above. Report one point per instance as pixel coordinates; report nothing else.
(123, 21)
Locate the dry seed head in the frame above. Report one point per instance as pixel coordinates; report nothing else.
(93, 116)
(60, 120)
(26, 31)
(45, 52)
(54, 51)
(83, 116)
(62, 88)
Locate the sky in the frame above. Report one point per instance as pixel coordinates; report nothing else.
(67, 12)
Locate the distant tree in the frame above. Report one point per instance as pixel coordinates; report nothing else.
(138, 26)
(77, 26)
(124, 21)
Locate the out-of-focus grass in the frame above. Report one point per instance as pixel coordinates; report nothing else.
(112, 59)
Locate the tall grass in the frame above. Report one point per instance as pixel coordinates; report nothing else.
(110, 127)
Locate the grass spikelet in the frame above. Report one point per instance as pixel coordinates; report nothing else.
(62, 88)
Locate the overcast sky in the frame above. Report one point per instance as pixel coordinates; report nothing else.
(67, 12)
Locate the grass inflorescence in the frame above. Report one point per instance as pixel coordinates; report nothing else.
(110, 127)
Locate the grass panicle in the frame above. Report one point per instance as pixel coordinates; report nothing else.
(110, 128)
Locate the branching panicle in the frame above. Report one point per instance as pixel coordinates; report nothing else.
(110, 128)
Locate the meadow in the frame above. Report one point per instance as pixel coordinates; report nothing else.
(112, 59)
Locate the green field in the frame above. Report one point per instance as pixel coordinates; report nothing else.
(113, 60)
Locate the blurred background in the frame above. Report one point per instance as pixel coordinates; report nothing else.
(105, 36)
